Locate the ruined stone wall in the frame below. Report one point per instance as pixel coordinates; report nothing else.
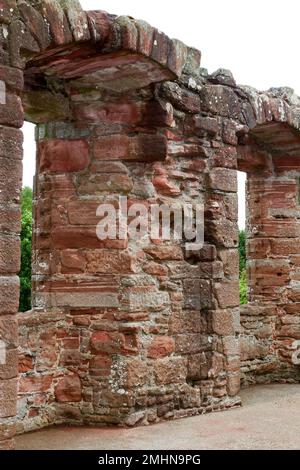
(11, 119)
(135, 55)
(132, 334)
(123, 332)
(129, 332)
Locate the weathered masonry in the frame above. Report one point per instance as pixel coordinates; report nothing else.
(119, 333)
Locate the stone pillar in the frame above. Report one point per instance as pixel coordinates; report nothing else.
(11, 119)
(273, 237)
(222, 230)
(273, 269)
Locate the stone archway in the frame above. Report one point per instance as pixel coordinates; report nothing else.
(121, 334)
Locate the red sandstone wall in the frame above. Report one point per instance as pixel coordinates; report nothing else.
(145, 334)
(154, 334)
(270, 323)
(120, 335)
(129, 333)
(11, 119)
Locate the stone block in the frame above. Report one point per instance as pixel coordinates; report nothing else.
(108, 261)
(233, 384)
(72, 261)
(223, 179)
(160, 47)
(84, 299)
(8, 398)
(68, 389)
(54, 14)
(181, 98)
(22, 44)
(137, 373)
(77, 19)
(35, 23)
(197, 294)
(9, 294)
(35, 383)
(220, 100)
(227, 293)
(177, 56)
(10, 254)
(143, 147)
(10, 180)
(165, 252)
(170, 370)
(9, 330)
(106, 342)
(12, 77)
(63, 155)
(11, 141)
(161, 346)
(99, 25)
(11, 113)
(9, 369)
(223, 322)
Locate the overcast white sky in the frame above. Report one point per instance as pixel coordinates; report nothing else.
(257, 40)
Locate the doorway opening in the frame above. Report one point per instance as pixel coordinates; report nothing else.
(242, 179)
(29, 163)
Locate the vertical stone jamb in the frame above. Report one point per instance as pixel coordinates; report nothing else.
(222, 231)
(11, 119)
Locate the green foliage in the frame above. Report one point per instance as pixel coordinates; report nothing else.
(243, 278)
(26, 240)
(243, 288)
(242, 250)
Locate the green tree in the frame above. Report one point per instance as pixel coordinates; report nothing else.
(243, 278)
(243, 288)
(242, 250)
(26, 241)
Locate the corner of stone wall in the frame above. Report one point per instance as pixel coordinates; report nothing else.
(266, 355)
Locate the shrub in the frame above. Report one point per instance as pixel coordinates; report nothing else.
(26, 241)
